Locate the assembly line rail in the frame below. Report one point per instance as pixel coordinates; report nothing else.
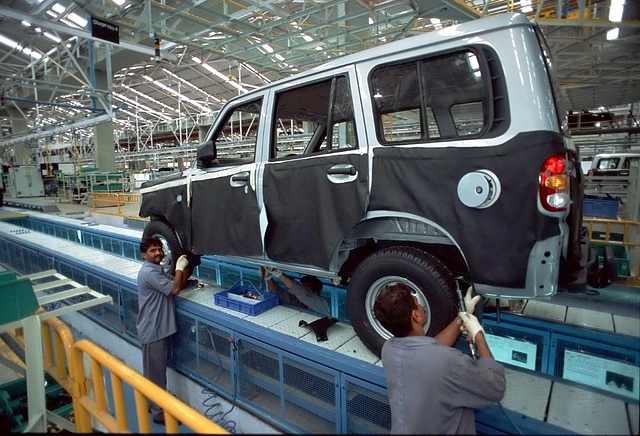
(208, 338)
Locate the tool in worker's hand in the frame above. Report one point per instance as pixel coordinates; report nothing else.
(462, 307)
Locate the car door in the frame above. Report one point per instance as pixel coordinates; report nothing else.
(315, 180)
(224, 209)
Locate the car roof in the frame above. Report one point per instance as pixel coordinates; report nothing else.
(610, 155)
(464, 30)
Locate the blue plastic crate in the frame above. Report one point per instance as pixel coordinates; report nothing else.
(600, 208)
(244, 297)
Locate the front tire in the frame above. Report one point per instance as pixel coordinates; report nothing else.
(431, 283)
(170, 243)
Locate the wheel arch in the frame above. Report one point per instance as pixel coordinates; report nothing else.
(378, 232)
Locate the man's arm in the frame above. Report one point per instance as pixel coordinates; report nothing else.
(449, 336)
(481, 346)
(183, 271)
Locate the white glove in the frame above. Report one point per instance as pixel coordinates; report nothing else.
(264, 273)
(275, 271)
(182, 263)
(470, 303)
(470, 324)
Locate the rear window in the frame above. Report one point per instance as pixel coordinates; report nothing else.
(433, 98)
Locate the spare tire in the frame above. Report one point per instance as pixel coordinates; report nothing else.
(170, 243)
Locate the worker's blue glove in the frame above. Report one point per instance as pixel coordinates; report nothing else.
(264, 273)
(274, 271)
(470, 325)
(470, 303)
(182, 263)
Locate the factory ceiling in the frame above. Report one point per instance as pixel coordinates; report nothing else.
(179, 60)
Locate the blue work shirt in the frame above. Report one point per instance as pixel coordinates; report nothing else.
(156, 305)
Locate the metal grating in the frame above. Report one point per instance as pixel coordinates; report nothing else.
(310, 396)
(367, 408)
(259, 377)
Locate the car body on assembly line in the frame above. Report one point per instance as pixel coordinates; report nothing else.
(442, 155)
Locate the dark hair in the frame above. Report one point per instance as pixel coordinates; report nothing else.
(149, 242)
(393, 309)
(313, 283)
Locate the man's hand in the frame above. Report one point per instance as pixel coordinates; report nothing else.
(470, 303)
(470, 324)
(274, 271)
(264, 273)
(182, 263)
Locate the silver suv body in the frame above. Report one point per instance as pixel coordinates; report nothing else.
(441, 155)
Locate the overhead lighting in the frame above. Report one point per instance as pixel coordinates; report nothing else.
(615, 15)
(58, 8)
(14, 45)
(268, 48)
(77, 19)
(306, 37)
(279, 57)
(52, 37)
(526, 6)
(219, 74)
(119, 2)
(26, 23)
(175, 76)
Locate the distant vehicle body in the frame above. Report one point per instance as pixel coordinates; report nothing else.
(613, 164)
(412, 162)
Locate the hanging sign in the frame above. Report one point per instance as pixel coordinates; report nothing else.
(105, 30)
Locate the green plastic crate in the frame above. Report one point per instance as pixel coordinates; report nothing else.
(620, 256)
(18, 300)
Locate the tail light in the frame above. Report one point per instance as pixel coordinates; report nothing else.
(554, 184)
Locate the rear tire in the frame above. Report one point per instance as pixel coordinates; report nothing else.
(170, 243)
(431, 283)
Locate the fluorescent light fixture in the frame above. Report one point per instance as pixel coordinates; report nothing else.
(175, 76)
(52, 37)
(58, 8)
(306, 37)
(26, 23)
(77, 19)
(526, 6)
(14, 45)
(615, 15)
(119, 2)
(268, 48)
(279, 57)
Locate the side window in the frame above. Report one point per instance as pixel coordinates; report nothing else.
(314, 118)
(238, 135)
(427, 99)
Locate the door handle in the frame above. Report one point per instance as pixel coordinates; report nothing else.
(342, 170)
(239, 179)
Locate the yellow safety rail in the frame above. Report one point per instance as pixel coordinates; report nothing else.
(106, 199)
(64, 361)
(630, 231)
(96, 405)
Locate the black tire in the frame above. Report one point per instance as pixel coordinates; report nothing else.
(170, 243)
(431, 281)
(1, 197)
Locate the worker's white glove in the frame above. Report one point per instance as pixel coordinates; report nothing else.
(274, 271)
(470, 303)
(470, 325)
(182, 263)
(264, 273)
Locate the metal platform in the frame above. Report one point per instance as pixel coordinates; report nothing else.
(30, 204)
(346, 380)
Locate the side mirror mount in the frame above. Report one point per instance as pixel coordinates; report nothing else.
(206, 154)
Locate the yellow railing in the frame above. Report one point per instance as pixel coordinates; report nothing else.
(64, 361)
(107, 199)
(630, 231)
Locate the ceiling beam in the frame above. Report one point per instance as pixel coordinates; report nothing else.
(12, 13)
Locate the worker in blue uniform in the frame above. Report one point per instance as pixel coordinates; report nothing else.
(434, 388)
(304, 293)
(157, 314)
